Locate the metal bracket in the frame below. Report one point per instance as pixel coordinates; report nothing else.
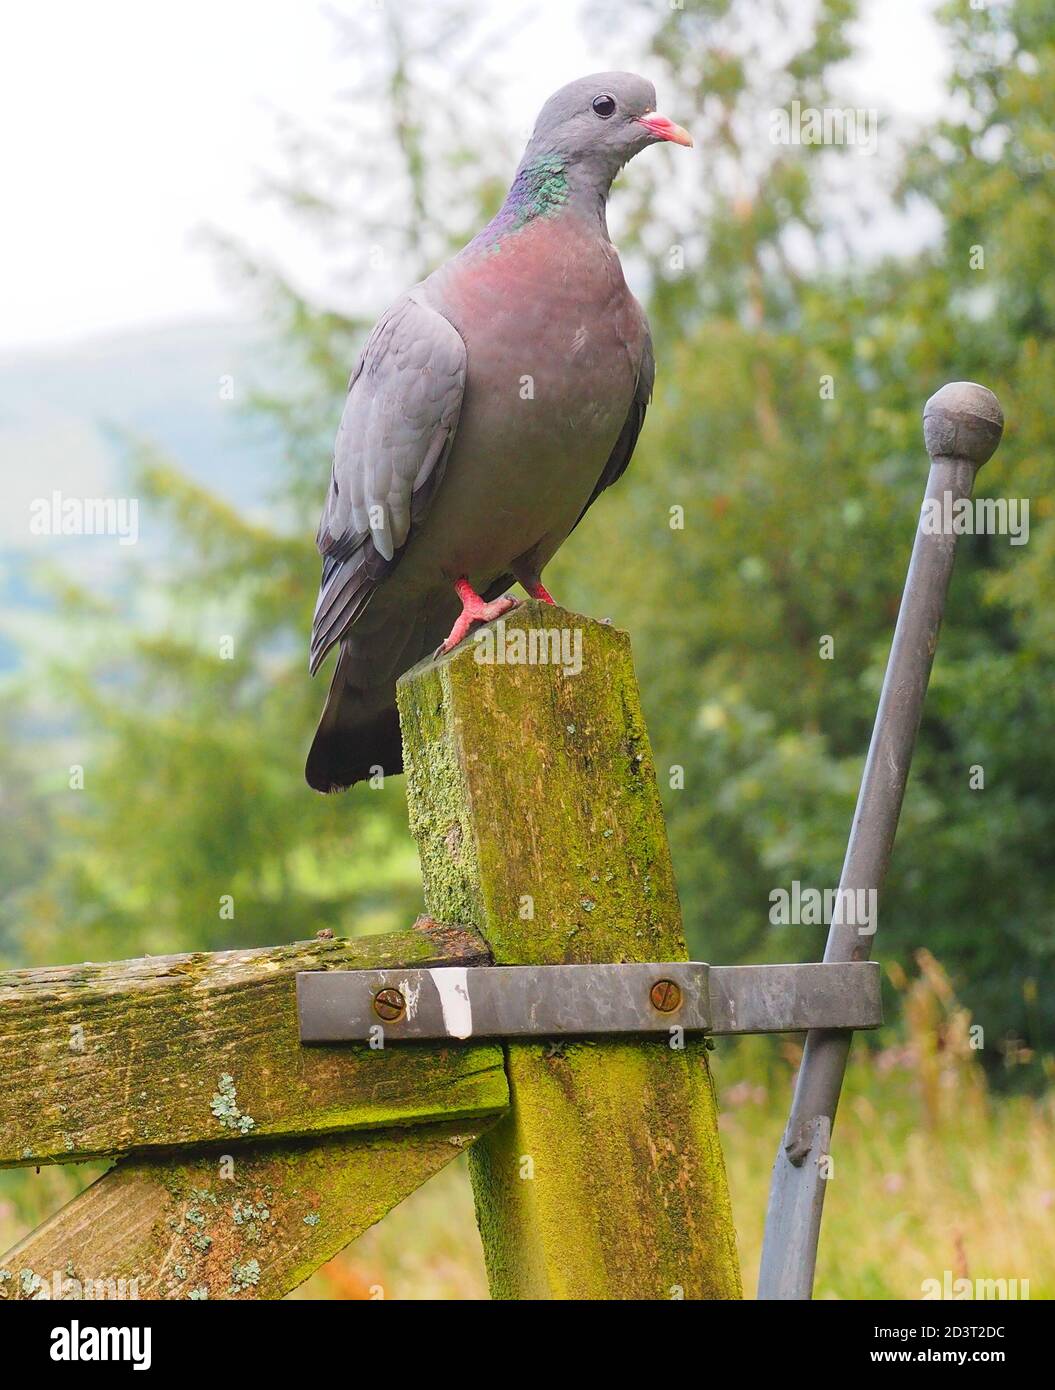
(522, 1001)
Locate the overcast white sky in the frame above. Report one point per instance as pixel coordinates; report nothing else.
(127, 126)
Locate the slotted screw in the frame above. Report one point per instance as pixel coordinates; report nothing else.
(665, 996)
(389, 1004)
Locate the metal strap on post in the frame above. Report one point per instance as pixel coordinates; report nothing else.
(549, 1001)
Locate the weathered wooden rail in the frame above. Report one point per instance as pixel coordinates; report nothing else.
(190, 1070)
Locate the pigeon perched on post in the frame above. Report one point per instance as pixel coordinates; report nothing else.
(491, 405)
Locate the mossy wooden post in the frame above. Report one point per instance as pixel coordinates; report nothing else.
(533, 797)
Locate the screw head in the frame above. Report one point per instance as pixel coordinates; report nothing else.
(389, 1004)
(665, 996)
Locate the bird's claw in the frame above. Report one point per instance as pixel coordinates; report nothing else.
(474, 610)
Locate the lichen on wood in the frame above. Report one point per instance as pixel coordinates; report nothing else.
(135, 1055)
(534, 801)
(251, 1224)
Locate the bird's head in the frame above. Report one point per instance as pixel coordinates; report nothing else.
(602, 121)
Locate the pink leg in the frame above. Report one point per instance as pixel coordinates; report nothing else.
(474, 610)
(539, 590)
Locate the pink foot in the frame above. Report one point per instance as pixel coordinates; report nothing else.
(539, 590)
(475, 610)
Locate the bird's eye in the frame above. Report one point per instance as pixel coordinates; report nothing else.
(604, 106)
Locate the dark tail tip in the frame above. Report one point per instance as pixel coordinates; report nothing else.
(340, 756)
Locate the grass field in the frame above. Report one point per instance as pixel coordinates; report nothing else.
(933, 1172)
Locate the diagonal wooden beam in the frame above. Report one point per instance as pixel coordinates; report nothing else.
(246, 1226)
(145, 1054)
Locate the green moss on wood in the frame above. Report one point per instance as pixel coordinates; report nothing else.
(626, 1191)
(577, 826)
(154, 1038)
(606, 1178)
(250, 1227)
(440, 822)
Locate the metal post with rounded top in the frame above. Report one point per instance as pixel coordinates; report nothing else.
(962, 425)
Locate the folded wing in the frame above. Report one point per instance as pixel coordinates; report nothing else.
(621, 454)
(399, 421)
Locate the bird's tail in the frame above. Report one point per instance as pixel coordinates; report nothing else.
(358, 734)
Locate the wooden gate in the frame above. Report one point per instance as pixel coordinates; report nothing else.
(245, 1160)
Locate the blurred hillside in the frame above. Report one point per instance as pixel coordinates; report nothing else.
(67, 415)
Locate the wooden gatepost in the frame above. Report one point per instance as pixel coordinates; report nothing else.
(534, 801)
(246, 1159)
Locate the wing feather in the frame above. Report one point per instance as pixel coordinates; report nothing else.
(396, 431)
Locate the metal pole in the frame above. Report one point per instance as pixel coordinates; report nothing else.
(962, 425)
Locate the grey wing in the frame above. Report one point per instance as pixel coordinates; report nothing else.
(396, 431)
(623, 451)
